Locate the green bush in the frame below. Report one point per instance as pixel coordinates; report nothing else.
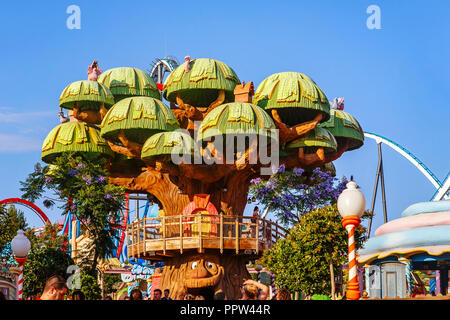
(320, 297)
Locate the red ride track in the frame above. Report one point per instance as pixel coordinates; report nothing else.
(29, 205)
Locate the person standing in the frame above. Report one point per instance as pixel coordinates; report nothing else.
(55, 289)
(254, 290)
(157, 294)
(255, 221)
(166, 295)
(136, 294)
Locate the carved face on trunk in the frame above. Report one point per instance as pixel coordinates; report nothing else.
(203, 271)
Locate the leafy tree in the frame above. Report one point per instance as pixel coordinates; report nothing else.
(11, 220)
(313, 252)
(111, 282)
(42, 263)
(89, 285)
(82, 182)
(50, 237)
(290, 194)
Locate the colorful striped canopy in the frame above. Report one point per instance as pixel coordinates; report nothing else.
(199, 87)
(89, 94)
(127, 82)
(296, 95)
(74, 137)
(344, 126)
(139, 117)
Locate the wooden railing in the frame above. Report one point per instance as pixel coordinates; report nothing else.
(163, 236)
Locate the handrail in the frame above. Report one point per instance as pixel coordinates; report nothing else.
(162, 231)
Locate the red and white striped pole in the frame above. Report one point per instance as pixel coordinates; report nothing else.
(350, 223)
(19, 286)
(20, 246)
(351, 204)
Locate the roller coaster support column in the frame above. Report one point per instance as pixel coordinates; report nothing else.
(380, 173)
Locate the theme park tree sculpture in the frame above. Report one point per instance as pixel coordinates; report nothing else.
(198, 154)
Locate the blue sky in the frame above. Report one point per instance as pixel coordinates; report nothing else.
(394, 80)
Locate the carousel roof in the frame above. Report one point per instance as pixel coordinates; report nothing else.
(139, 117)
(199, 85)
(126, 82)
(74, 137)
(89, 95)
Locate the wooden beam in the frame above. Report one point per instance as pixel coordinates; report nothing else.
(200, 232)
(164, 233)
(221, 233)
(181, 233)
(138, 224)
(257, 236)
(236, 221)
(144, 221)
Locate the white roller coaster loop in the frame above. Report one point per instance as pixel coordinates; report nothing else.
(442, 189)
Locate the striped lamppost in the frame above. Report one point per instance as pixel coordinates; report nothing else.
(20, 246)
(351, 204)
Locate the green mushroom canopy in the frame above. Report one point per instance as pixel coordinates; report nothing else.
(235, 118)
(199, 87)
(139, 118)
(234, 127)
(344, 126)
(90, 95)
(166, 145)
(296, 97)
(75, 137)
(127, 82)
(316, 138)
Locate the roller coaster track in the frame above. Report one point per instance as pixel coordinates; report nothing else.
(440, 187)
(29, 205)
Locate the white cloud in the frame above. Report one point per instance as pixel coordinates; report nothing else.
(14, 143)
(6, 117)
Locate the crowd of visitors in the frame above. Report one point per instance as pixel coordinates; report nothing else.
(56, 289)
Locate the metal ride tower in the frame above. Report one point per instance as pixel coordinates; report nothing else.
(162, 67)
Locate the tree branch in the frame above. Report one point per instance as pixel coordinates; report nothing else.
(288, 134)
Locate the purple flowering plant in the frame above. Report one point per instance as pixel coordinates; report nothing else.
(292, 193)
(83, 181)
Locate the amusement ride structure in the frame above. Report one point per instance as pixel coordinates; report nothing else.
(196, 157)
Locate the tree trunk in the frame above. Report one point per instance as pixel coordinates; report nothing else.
(213, 272)
(333, 284)
(204, 274)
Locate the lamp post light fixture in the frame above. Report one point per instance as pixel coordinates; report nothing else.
(20, 246)
(351, 204)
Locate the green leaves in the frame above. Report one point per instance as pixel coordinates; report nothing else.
(41, 264)
(81, 184)
(11, 220)
(290, 194)
(301, 261)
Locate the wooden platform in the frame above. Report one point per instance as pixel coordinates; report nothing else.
(158, 238)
